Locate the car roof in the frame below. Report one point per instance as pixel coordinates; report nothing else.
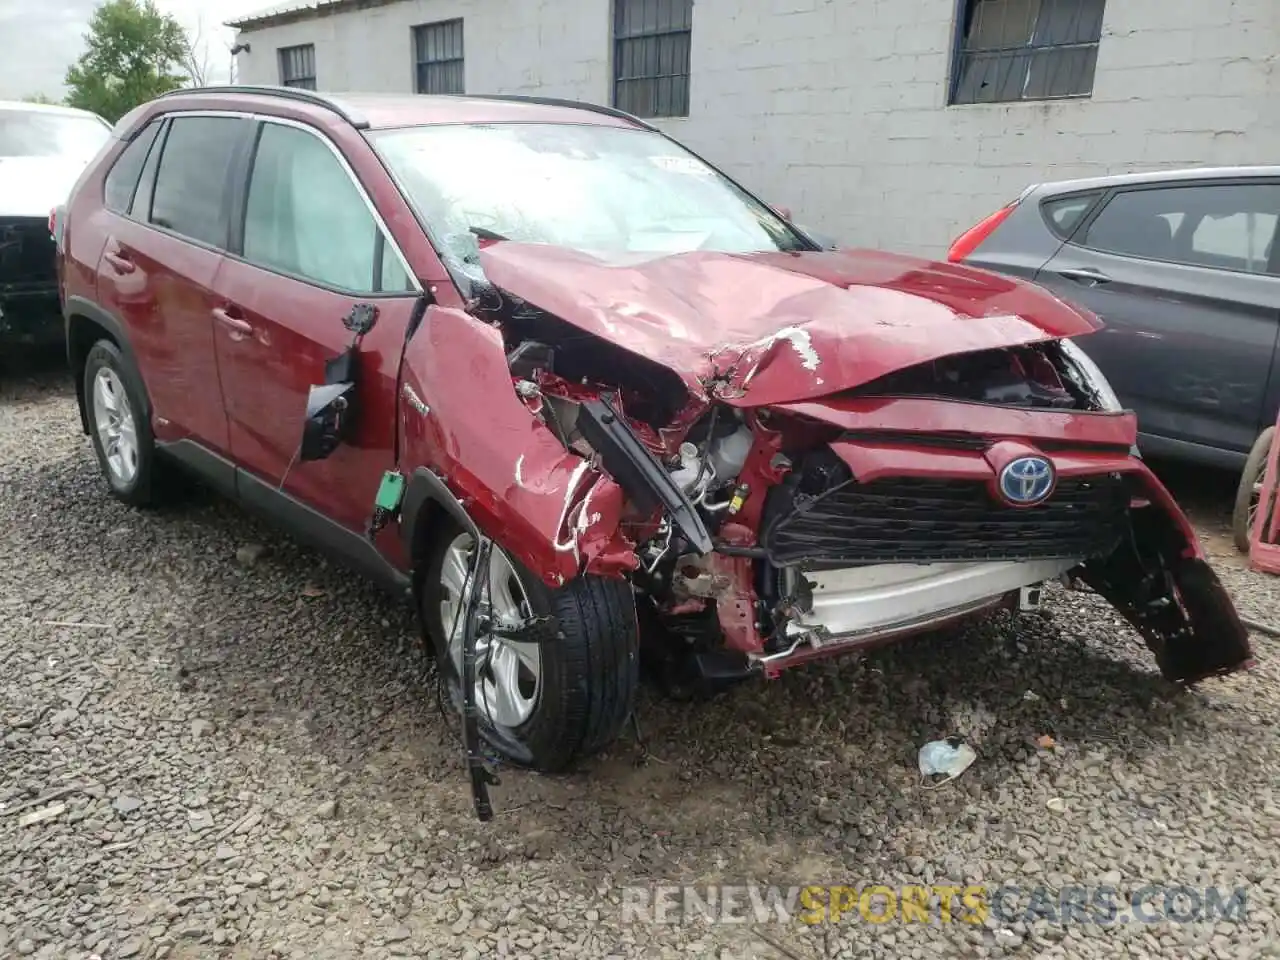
(55, 108)
(378, 111)
(1158, 176)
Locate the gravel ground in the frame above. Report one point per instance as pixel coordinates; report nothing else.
(215, 745)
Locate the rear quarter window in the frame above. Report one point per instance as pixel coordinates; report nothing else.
(122, 178)
(1064, 214)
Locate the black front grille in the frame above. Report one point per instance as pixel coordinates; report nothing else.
(26, 252)
(825, 517)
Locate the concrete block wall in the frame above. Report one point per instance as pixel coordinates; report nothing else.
(837, 108)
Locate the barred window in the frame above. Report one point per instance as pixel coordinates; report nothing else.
(651, 57)
(438, 57)
(298, 66)
(1026, 50)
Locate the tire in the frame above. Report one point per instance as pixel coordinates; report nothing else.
(1252, 475)
(130, 470)
(586, 676)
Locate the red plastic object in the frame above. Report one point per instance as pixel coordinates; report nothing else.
(1264, 537)
(972, 238)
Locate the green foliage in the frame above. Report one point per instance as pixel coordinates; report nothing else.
(133, 52)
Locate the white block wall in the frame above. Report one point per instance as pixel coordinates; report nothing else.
(837, 108)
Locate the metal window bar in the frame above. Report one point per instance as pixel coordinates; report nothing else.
(438, 58)
(1027, 50)
(651, 41)
(298, 66)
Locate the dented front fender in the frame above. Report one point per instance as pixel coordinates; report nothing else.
(547, 507)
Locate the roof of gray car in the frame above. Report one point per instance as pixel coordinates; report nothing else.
(1159, 176)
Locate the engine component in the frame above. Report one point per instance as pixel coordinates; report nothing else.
(691, 469)
(693, 578)
(727, 456)
(637, 471)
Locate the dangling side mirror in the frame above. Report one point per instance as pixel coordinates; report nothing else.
(328, 412)
(330, 405)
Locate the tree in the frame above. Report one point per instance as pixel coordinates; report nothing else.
(134, 51)
(195, 58)
(40, 98)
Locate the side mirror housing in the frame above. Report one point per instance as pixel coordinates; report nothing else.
(328, 412)
(331, 405)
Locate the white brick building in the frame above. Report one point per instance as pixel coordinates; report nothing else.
(851, 112)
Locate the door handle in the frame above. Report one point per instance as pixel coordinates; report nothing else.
(1084, 275)
(237, 325)
(120, 262)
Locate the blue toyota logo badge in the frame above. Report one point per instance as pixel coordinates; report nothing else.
(1027, 480)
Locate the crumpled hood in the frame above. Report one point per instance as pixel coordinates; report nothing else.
(758, 329)
(33, 186)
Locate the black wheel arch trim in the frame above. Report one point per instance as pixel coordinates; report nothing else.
(88, 310)
(426, 487)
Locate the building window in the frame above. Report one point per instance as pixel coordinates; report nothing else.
(651, 57)
(1025, 49)
(298, 66)
(438, 55)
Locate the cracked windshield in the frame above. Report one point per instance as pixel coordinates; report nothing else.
(602, 190)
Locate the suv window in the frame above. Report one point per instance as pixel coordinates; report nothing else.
(122, 180)
(190, 190)
(1224, 226)
(306, 217)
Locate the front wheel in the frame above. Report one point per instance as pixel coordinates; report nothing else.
(1247, 496)
(542, 705)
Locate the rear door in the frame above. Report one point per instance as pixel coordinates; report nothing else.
(1181, 275)
(309, 248)
(163, 249)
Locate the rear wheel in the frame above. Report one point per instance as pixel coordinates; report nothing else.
(542, 705)
(118, 424)
(1247, 496)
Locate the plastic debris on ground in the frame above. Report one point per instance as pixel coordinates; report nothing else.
(947, 758)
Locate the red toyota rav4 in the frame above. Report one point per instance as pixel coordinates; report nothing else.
(540, 368)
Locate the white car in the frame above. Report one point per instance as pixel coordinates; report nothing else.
(43, 150)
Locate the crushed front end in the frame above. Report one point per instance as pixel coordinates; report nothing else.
(927, 444)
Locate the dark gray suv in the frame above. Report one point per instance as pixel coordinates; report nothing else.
(1183, 269)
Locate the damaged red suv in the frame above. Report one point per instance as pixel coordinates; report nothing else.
(538, 367)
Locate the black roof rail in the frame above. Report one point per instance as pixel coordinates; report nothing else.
(559, 102)
(287, 93)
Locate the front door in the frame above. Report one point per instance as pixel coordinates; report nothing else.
(1182, 277)
(311, 249)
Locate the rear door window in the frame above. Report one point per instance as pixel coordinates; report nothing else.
(190, 195)
(1226, 226)
(122, 180)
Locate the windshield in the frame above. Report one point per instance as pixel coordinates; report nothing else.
(37, 133)
(601, 190)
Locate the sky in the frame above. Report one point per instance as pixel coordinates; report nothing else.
(41, 38)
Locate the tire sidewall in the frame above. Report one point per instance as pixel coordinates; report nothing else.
(550, 740)
(1253, 469)
(105, 354)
